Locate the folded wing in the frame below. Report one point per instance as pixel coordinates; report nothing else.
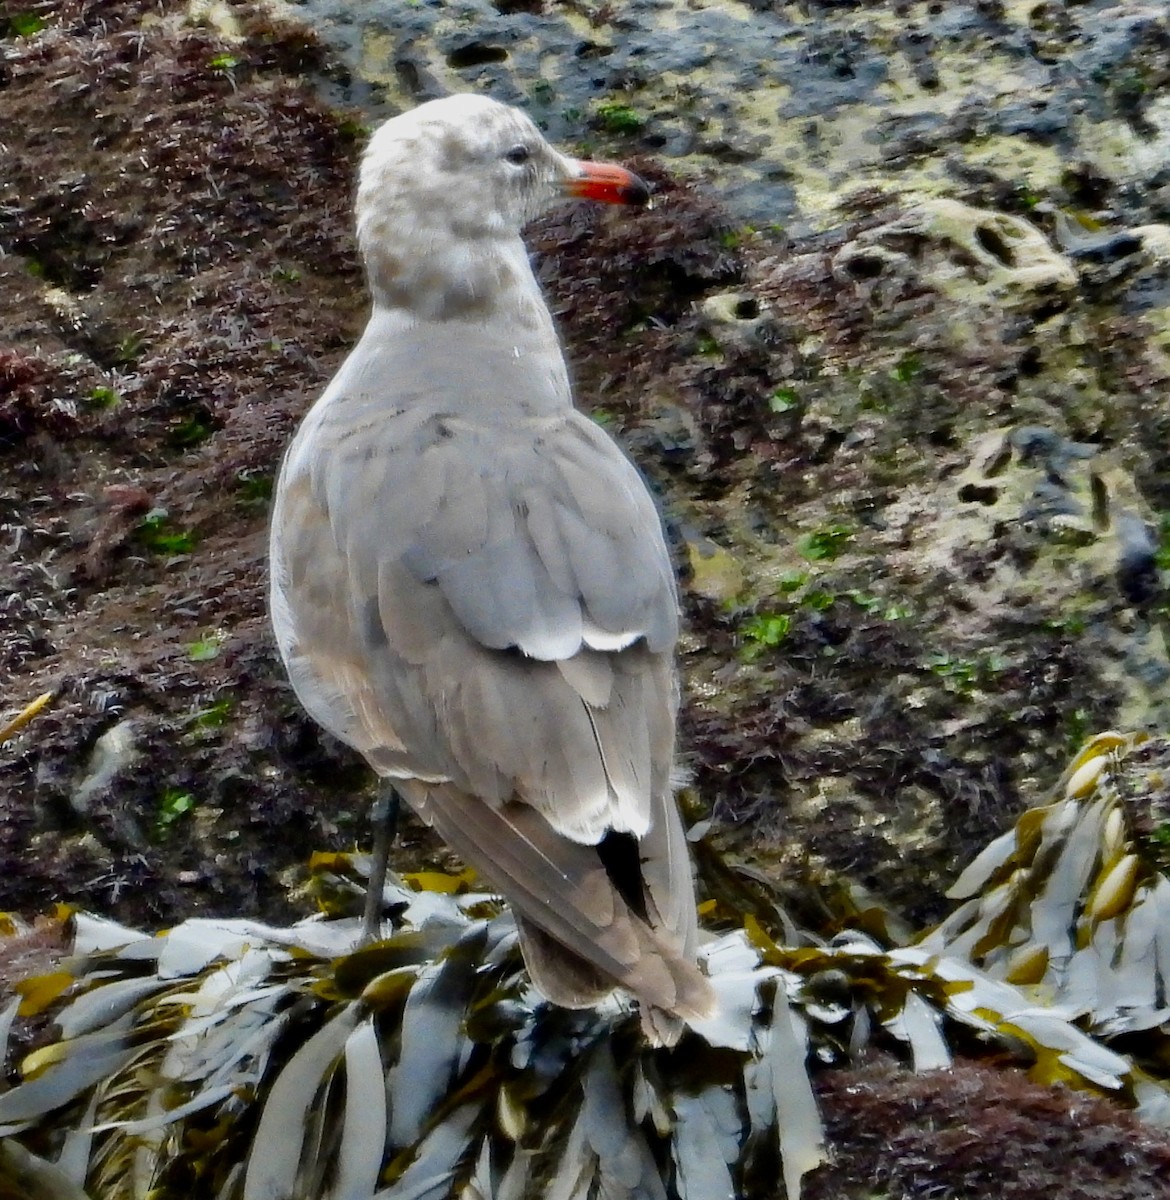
(489, 610)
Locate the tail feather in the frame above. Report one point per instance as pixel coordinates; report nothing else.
(580, 936)
(670, 988)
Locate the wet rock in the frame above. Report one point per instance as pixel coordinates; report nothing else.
(889, 637)
(1138, 574)
(114, 753)
(755, 94)
(1060, 529)
(736, 318)
(714, 574)
(1006, 256)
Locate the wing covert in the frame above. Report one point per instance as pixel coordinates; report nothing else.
(540, 535)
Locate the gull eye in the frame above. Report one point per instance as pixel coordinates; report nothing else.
(518, 155)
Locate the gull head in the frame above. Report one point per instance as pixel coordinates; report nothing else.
(450, 184)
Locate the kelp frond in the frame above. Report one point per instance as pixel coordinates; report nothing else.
(239, 1061)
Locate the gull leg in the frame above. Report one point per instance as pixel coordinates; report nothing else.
(384, 818)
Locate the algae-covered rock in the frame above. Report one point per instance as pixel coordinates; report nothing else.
(791, 107)
(972, 256)
(913, 448)
(893, 345)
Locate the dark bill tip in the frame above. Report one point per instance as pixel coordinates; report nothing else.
(607, 183)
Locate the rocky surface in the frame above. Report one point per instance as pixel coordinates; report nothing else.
(178, 279)
(944, 257)
(789, 105)
(973, 1131)
(913, 462)
(892, 347)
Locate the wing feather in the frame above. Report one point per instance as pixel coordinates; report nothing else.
(590, 675)
(504, 597)
(548, 542)
(561, 888)
(437, 581)
(531, 528)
